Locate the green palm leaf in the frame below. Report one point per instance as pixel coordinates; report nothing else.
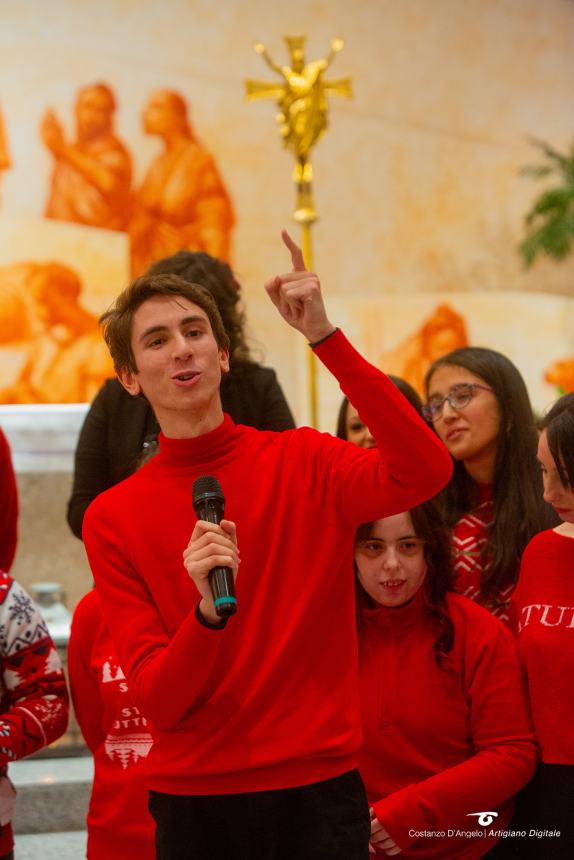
(550, 221)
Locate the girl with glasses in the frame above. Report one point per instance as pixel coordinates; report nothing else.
(446, 733)
(544, 600)
(478, 405)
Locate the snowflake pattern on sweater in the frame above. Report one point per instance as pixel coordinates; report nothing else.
(33, 695)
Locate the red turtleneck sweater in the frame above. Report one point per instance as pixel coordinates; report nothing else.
(544, 600)
(271, 700)
(441, 744)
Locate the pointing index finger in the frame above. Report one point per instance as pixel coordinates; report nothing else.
(296, 253)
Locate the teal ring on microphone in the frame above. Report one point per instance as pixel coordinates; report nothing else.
(221, 600)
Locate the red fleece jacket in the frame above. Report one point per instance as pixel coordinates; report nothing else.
(441, 744)
(271, 700)
(544, 600)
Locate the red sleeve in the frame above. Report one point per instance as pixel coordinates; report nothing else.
(150, 659)
(506, 751)
(410, 464)
(88, 705)
(8, 506)
(36, 710)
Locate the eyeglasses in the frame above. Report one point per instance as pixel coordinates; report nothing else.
(458, 397)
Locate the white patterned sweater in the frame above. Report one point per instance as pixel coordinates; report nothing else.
(33, 694)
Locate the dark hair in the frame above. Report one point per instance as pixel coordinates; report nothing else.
(429, 527)
(559, 425)
(117, 322)
(519, 511)
(197, 267)
(403, 386)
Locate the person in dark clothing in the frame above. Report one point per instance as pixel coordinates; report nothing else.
(120, 429)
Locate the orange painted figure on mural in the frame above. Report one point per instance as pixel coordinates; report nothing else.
(561, 374)
(182, 203)
(443, 331)
(92, 175)
(5, 160)
(66, 360)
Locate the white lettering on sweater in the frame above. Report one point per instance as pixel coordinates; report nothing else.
(548, 615)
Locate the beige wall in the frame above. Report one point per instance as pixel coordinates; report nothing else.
(416, 181)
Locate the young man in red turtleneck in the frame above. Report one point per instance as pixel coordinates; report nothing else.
(255, 720)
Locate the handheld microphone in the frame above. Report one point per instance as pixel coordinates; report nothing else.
(209, 503)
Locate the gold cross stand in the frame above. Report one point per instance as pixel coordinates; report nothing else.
(303, 111)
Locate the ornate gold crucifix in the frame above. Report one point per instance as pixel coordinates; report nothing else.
(303, 118)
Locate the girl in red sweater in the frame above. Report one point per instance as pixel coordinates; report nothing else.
(478, 404)
(446, 731)
(544, 602)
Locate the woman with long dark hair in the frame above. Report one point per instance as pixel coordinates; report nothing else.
(445, 722)
(544, 600)
(478, 405)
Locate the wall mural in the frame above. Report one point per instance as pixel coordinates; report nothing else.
(51, 350)
(441, 332)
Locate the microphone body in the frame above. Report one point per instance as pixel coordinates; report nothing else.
(209, 506)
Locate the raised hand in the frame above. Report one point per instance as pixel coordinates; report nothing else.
(52, 133)
(297, 296)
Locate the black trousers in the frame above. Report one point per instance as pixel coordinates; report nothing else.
(547, 803)
(327, 820)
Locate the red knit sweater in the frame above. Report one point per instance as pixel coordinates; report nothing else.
(469, 538)
(271, 700)
(33, 694)
(544, 601)
(119, 824)
(441, 744)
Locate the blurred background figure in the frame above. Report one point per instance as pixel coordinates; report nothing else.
(478, 404)
(561, 374)
(33, 694)
(92, 175)
(442, 332)
(118, 736)
(350, 426)
(119, 429)
(67, 360)
(182, 202)
(446, 729)
(8, 506)
(544, 601)
(5, 160)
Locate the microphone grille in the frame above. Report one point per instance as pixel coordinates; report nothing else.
(207, 487)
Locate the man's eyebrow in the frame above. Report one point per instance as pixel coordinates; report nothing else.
(154, 329)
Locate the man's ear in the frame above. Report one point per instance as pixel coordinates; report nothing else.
(223, 361)
(129, 381)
